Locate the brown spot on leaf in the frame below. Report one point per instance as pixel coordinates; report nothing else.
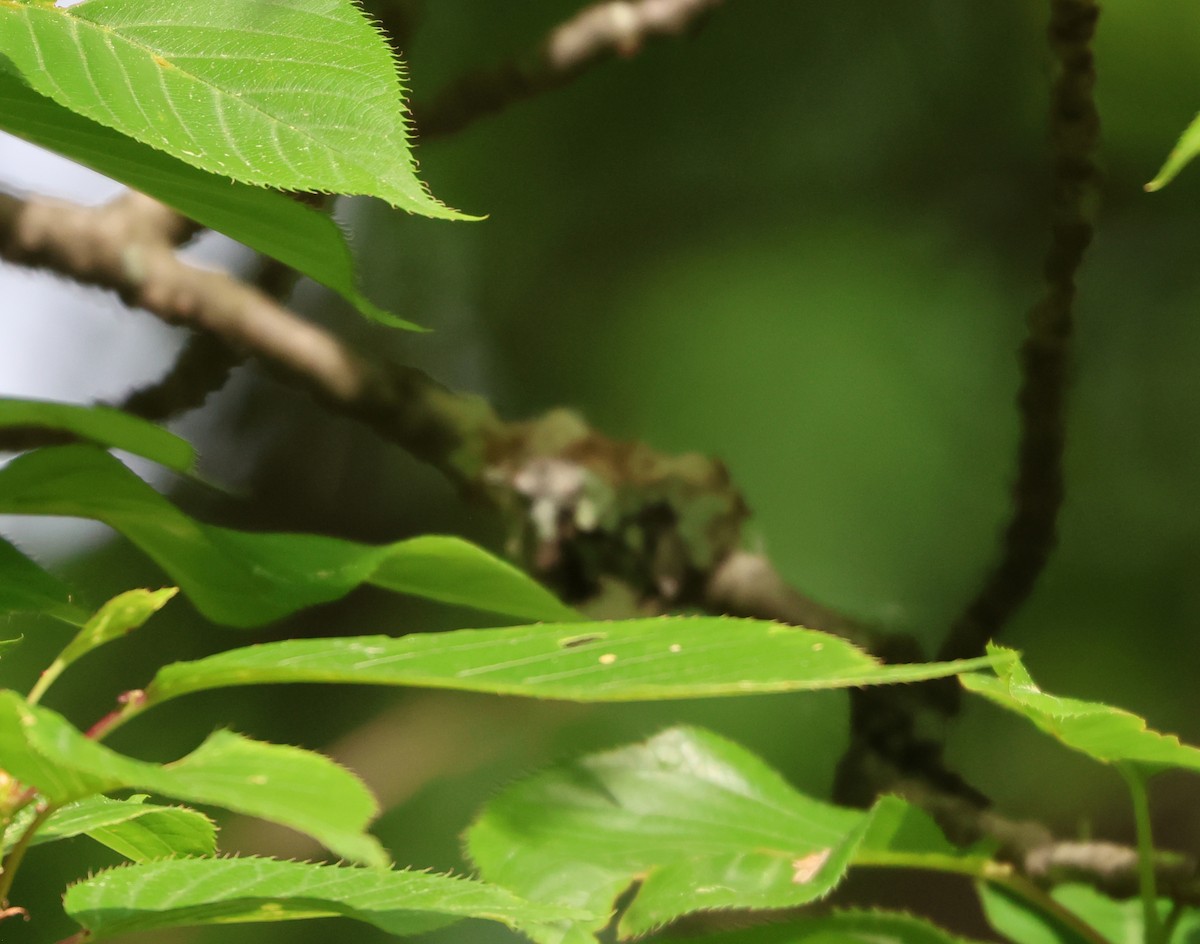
(805, 869)
(571, 642)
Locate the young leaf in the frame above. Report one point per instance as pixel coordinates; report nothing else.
(118, 617)
(842, 927)
(697, 821)
(297, 95)
(1109, 735)
(104, 426)
(243, 579)
(1186, 148)
(286, 785)
(629, 660)
(138, 830)
(265, 220)
(26, 588)
(220, 891)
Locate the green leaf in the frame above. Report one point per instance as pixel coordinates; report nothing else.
(118, 617)
(265, 220)
(27, 588)
(1019, 921)
(908, 836)
(221, 891)
(293, 94)
(630, 660)
(843, 927)
(1109, 735)
(1121, 921)
(287, 785)
(1186, 148)
(698, 822)
(102, 425)
(138, 830)
(243, 579)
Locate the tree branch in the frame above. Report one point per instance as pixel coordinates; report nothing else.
(583, 510)
(1045, 356)
(885, 739)
(1108, 867)
(613, 28)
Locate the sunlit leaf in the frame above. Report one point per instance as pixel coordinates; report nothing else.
(27, 588)
(118, 617)
(265, 220)
(138, 830)
(220, 891)
(1186, 148)
(286, 785)
(243, 579)
(1109, 735)
(626, 660)
(294, 94)
(698, 822)
(102, 425)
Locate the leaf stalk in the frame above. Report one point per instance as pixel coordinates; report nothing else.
(1151, 928)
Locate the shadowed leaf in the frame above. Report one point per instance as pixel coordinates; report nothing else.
(845, 927)
(244, 579)
(103, 425)
(27, 588)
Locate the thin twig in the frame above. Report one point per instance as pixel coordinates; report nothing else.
(1111, 868)
(1045, 356)
(205, 362)
(201, 368)
(601, 31)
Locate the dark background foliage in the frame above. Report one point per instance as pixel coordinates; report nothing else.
(804, 240)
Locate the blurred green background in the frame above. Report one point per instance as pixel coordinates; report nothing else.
(803, 239)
